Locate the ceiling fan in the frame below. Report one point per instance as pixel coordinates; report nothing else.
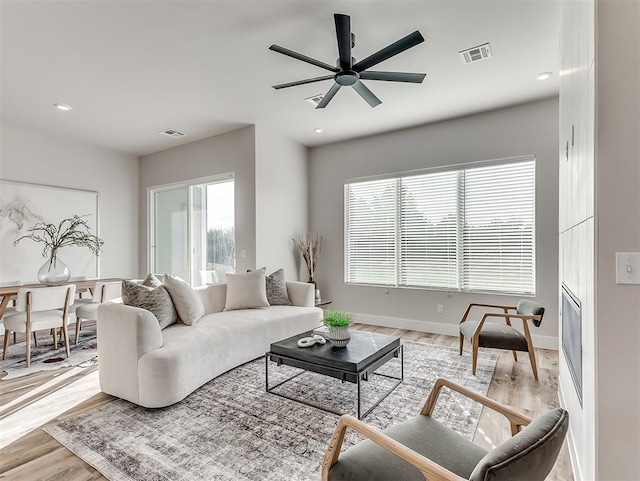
(348, 72)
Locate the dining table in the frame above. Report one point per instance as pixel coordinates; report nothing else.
(6, 292)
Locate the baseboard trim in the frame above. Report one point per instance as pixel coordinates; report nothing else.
(545, 342)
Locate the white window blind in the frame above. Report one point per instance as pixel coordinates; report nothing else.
(428, 230)
(469, 230)
(370, 220)
(499, 224)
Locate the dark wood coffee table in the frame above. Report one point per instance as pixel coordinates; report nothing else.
(365, 353)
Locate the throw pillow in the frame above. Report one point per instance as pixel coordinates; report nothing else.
(277, 294)
(246, 291)
(155, 300)
(151, 281)
(185, 299)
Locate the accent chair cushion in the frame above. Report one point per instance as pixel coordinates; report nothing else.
(367, 461)
(530, 308)
(530, 454)
(155, 300)
(246, 291)
(185, 299)
(496, 335)
(277, 289)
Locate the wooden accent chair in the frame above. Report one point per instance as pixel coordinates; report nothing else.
(502, 336)
(38, 309)
(422, 448)
(88, 308)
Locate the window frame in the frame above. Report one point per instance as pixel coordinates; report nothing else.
(460, 228)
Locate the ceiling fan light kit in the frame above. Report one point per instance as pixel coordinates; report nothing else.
(348, 72)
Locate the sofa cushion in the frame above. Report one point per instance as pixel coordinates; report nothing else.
(155, 300)
(246, 291)
(185, 300)
(277, 289)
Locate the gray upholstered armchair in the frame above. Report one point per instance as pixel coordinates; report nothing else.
(501, 335)
(422, 448)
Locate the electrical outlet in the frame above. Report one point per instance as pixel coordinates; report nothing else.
(440, 309)
(243, 252)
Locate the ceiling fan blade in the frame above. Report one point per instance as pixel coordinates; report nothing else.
(304, 58)
(389, 51)
(343, 32)
(415, 78)
(366, 94)
(329, 95)
(302, 82)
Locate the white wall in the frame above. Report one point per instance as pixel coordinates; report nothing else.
(617, 229)
(282, 207)
(28, 156)
(519, 130)
(600, 215)
(230, 152)
(576, 215)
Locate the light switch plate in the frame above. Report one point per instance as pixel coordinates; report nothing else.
(627, 267)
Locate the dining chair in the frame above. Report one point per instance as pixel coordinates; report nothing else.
(82, 290)
(501, 335)
(422, 448)
(38, 309)
(11, 309)
(88, 308)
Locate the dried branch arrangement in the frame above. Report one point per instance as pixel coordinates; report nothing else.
(310, 246)
(73, 231)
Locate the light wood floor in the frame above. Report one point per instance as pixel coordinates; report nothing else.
(48, 397)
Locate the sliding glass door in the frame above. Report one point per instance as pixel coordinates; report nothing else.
(192, 230)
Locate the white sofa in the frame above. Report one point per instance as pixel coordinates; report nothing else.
(156, 368)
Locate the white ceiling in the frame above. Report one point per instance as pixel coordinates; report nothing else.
(133, 68)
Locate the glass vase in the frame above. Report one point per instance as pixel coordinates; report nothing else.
(53, 272)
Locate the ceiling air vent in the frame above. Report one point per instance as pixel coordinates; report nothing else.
(475, 54)
(315, 100)
(172, 133)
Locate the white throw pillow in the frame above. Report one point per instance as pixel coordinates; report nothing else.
(185, 299)
(246, 291)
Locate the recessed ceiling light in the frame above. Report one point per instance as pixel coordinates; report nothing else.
(317, 131)
(64, 107)
(544, 76)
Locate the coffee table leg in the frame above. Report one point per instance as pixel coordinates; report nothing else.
(359, 396)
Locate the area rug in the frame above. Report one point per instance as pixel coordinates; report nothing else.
(46, 358)
(231, 429)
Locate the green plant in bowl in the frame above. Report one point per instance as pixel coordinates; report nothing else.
(336, 318)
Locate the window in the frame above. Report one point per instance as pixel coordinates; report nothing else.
(469, 230)
(192, 230)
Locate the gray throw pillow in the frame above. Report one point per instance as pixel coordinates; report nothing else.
(277, 294)
(151, 281)
(155, 300)
(185, 299)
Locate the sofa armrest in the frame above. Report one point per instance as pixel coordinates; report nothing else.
(125, 334)
(301, 293)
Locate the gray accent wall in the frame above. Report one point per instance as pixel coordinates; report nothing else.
(282, 207)
(28, 156)
(521, 130)
(230, 152)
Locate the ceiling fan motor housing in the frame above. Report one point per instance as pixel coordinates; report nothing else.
(347, 78)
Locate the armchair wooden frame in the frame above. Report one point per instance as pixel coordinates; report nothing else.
(429, 469)
(507, 316)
